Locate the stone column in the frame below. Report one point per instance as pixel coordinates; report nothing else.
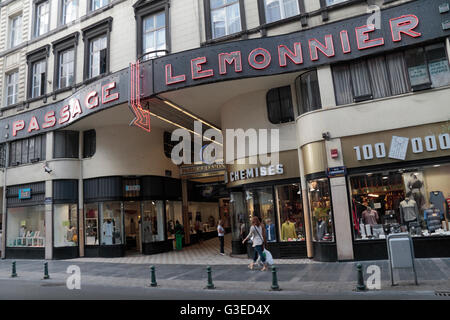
(48, 220)
(185, 206)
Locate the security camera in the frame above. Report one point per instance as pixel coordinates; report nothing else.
(47, 169)
(326, 135)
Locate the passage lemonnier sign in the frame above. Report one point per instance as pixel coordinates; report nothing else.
(406, 144)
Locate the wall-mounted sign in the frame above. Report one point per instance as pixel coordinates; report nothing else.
(133, 188)
(415, 143)
(336, 172)
(250, 173)
(25, 193)
(403, 25)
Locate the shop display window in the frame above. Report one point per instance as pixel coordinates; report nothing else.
(111, 219)
(414, 200)
(260, 204)
(320, 208)
(203, 216)
(91, 224)
(240, 221)
(174, 215)
(290, 212)
(65, 225)
(26, 226)
(153, 221)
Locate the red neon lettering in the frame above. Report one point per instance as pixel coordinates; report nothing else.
(50, 120)
(106, 95)
(64, 115)
(404, 24)
(196, 69)
(362, 37)
(284, 52)
(91, 100)
(170, 79)
(76, 107)
(34, 125)
(17, 126)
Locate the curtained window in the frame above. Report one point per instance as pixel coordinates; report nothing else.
(279, 105)
(308, 93)
(342, 84)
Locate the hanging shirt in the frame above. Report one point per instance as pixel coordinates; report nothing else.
(288, 231)
(437, 198)
(270, 232)
(370, 217)
(409, 210)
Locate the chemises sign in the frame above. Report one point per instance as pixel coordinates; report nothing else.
(404, 25)
(415, 143)
(250, 173)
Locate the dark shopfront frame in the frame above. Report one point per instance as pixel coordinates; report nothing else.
(106, 189)
(278, 249)
(424, 247)
(324, 251)
(12, 201)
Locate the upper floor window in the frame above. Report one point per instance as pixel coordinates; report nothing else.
(89, 138)
(66, 68)
(69, 11)
(42, 18)
(279, 105)
(154, 34)
(38, 78)
(66, 144)
(15, 31)
(97, 4)
(392, 74)
(225, 17)
(12, 87)
(27, 150)
(97, 56)
(280, 9)
(308, 93)
(331, 2)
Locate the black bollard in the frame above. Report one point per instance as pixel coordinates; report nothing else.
(360, 286)
(46, 276)
(13, 271)
(274, 286)
(210, 282)
(153, 277)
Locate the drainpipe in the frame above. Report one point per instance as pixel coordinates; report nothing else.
(3, 244)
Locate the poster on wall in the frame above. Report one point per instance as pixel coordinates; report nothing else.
(414, 183)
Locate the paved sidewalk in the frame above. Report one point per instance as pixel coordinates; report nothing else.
(206, 253)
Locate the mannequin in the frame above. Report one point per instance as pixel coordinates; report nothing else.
(321, 229)
(408, 209)
(288, 230)
(370, 216)
(433, 217)
(107, 232)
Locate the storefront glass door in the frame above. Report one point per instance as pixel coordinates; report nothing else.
(132, 210)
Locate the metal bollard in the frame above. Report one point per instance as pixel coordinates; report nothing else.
(360, 286)
(46, 276)
(274, 286)
(210, 282)
(153, 277)
(13, 271)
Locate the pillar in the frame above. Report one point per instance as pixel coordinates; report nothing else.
(81, 200)
(187, 228)
(340, 204)
(3, 242)
(49, 204)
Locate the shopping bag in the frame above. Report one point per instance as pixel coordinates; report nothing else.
(269, 258)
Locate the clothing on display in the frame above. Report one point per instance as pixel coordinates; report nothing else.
(370, 216)
(433, 218)
(409, 210)
(270, 233)
(288, 231)
(437, 198)
(321, 229)
(107, 236)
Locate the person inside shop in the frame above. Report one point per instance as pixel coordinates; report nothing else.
(288, 229)
(221, 235)
(270, 230)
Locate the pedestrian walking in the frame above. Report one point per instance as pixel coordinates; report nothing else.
(221, 234)
(258, 236)
(179, 232)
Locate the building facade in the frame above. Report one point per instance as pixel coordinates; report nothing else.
(357, 91)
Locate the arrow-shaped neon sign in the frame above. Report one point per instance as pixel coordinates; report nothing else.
(142, 117)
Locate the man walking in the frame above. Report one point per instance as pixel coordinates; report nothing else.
(221, 234)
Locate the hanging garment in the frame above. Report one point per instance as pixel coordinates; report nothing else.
(437, 198)
(288, 231)
(409, 210)
(370, 217)
(321, 230)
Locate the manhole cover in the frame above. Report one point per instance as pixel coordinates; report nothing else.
(53, 284)
(442, 293)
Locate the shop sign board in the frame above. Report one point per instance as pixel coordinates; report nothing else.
(415, 143)
(133, 188)
(25, 193)
(336, 172)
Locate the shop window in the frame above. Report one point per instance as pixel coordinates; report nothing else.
(276, 10)
(279, 105)
(203, 216)
(408, 200)
(65, 225)
(173, 215)
(111, 219)
(240, 220)
(27, 150)
(225, 17)
(26, 227)
(66, 144)
(153, 221)
(260, 204)
(320, 209)
(42, 18)
(308, 93)
(91, 224)
(69, 11)
(12, 87)
(15, 31)
(89, 143)
(290, 213)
